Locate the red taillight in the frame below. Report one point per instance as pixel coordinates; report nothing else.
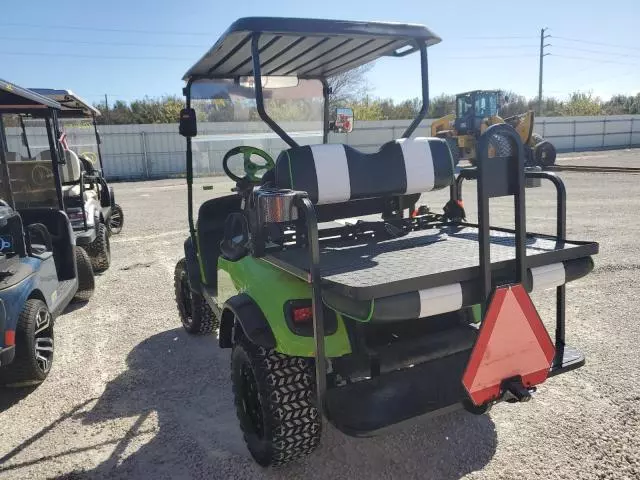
(302, 314)
(9, 338)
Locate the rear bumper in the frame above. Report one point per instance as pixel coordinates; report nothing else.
(7, 354)
(367, 407)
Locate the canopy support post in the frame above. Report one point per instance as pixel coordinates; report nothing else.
(257, 80)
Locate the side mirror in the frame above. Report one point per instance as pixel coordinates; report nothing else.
(98, 137)
(188, 124)
(343, 122)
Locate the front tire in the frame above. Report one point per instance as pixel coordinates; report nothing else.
(34, 346)
(100, 250)
(195, 313)
(116, 220)
(274, 399)
(86, 279)
(545, 154)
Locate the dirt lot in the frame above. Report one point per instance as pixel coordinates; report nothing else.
(131, 396)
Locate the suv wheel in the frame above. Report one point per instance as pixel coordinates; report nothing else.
(275, 402)
(195, 313)
(100, 250)
(34, 346)
(86, 279)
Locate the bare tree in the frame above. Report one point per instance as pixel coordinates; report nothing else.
(348, 87)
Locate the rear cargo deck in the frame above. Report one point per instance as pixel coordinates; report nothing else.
(364, 269)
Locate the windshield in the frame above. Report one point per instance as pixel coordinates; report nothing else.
(486, 105)
(28, 159)
(464, 105)
(81, 138)
(227, 117)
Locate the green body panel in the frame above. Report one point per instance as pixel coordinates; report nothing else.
(271, 288)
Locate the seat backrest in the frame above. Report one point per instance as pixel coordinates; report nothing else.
(70, 171)
(12, 156)
(336, 173)
(44, 155)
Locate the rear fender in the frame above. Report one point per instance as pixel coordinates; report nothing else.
(250, 318)
(193, 268)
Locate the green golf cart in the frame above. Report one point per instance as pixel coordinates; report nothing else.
(339, 295)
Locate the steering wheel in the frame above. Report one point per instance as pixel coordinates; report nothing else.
(250, 167)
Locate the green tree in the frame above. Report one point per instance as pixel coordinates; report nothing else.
(580, 103)
(367, 109)
(442, 105)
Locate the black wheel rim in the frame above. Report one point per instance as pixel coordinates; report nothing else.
(185, 294)
(250, 399)
(43, 340)
(115, 221)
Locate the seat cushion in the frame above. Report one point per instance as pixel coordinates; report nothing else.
(336, 173)
(451, 297)
(74, 191)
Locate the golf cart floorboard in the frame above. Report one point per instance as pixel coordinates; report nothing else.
(364, 269)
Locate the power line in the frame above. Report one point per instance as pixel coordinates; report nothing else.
(87, 42)
(103, 29)
(98, 57)
(578, 49)
(508, 37)
(568, 39)
(594, 60)
(483, 57)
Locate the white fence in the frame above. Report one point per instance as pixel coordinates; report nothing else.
(157, 151)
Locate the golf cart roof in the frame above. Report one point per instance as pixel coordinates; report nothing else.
(475, 92)
(15, 99)
(307, 48)
(72, 104)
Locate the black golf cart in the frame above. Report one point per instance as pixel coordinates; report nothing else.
(41, 270)
(338, 294)
(90, 201)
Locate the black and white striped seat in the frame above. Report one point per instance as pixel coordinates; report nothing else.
(335, 173)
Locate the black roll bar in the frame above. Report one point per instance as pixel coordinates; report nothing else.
(424, 71)
(561, 232)
(257, 80)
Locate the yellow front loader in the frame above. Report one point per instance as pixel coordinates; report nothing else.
(478, 110)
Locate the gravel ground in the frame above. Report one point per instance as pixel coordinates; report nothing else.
(131, 396)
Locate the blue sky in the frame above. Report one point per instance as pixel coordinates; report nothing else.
(492, 45)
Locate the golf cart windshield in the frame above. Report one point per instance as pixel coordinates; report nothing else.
(228, 117)
(81, 138)
(77, 118)
(28, 159)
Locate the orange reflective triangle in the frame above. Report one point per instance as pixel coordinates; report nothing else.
(512, 342)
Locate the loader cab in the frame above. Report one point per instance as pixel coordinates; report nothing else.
(473, 107)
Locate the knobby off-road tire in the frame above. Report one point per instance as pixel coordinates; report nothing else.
(544, 154)
(34, 346)
(100, 250)
(195, 313)
(274, 396)
(86, 280)
(116, 221)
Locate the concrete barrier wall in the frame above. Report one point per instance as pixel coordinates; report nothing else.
(157, 151)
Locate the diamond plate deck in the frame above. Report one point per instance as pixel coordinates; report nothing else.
(422, 259)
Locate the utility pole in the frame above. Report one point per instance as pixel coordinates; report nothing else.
(106, 106)
(542, 55)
